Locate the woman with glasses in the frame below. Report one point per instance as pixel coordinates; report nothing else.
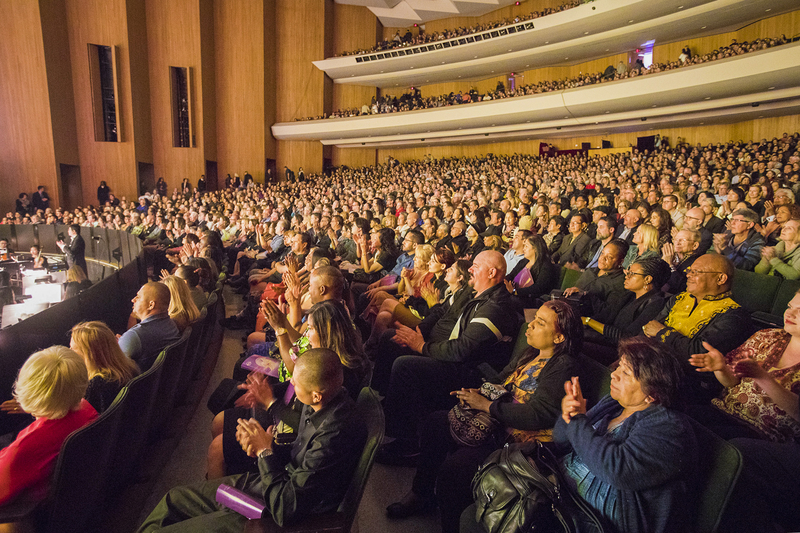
(644, 280)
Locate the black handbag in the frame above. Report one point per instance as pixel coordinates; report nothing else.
(520, 489)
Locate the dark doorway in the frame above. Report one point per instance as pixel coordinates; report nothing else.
(646, 143)
(271, 172)
(147, 177)
(211, 176)
(71, 188)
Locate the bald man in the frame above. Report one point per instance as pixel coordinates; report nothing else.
(155, 331)
(419, 384)
(693, 220)
(316, 476)
(705, 312)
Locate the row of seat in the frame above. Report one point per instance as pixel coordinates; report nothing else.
(101, 459)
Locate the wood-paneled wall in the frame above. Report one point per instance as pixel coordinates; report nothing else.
(26, 138)
(173, 38)
(104, 22)
(239, 35)
(300, 88)
(354, 27)
(752, 129)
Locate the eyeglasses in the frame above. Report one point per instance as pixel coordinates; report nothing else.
(693, 218)
(692, 272)
(629, 273)
(740, 220)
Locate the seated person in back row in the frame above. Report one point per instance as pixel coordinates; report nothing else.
(602, 287)
(155, 331)
(312, 481)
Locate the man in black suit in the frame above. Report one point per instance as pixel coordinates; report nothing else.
(40, 199)
(75, 251)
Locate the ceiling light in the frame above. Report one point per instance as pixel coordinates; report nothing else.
(768, 10)
(510, 50)
(607, 112)
(476, 57)
(702, 27)
(680, 7)
(770, 88)
(547, 42)
(586, 33)
(630, 21)
(410, 67)
(527, 65)
(566, 58)
(655, 105)
(442, 62)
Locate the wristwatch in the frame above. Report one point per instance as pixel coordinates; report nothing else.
(266, 452)
(280, 331)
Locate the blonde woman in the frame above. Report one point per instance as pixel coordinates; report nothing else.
(50, 387)
(76, 282)
(109, 369)
(182, 309)
(784, 258)
(645, 245)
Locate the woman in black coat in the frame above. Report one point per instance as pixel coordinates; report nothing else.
(535, 275)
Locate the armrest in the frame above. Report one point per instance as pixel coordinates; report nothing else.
(321, 523)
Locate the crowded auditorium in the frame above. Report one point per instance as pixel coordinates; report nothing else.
(400, 266)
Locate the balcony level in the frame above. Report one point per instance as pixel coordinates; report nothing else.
(764, 83)
(584, 33)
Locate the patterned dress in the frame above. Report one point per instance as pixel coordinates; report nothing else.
(748, 402)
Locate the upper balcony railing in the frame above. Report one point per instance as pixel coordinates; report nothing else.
(587, 32)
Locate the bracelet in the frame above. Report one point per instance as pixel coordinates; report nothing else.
(280, 331)
(266, 452)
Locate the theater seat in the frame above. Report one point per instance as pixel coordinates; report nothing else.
(191, 358)
(755, 292)
(80, 479)
(570, 278)
(720, 465)
(137, 411)
(595, 380)
(342, 520)
(774, 318)
(167, 387)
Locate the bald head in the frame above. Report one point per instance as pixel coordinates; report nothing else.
(317, 377)
(326, 283)
(709, 275)
(488, 269)
(694, 218)
(152, 299)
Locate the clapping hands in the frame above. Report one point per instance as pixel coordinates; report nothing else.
(573, 403)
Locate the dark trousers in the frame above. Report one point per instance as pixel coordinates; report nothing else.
(767, 490)
(445, 469)
(419, 386)
(194, 508)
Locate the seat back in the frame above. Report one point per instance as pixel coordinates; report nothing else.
(191, 358)
(784, 295)
(720, 465)
(81, 475)
(570, 278)
(209, 325)
(595, 380)
(755, 292)
(371, 413)
(137, 412)
(167, 386)
(521, 344)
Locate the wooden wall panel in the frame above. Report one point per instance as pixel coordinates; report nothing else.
(102, 22)
(745, 131)
(173, 35)
(239, 69)
(354, 27)
(139, 81)
(354, 157)
(26, 136)
(59, 81)
(270, 81)
(207, 107)
(300, 87)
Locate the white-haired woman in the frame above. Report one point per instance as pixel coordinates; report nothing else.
(50, 387)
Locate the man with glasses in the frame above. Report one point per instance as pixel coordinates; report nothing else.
(693, 221)
(680, 255)
(742, 244)
(704, 315)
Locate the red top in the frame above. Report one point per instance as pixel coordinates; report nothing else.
(28, 462)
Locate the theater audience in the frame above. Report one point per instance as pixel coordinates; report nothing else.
(742, 244)
(155, 331)
(784, 258)
(706, 312)
(534, 381)
(50, 387)
(109, 369)
(76, 282)
(419, 383)
(182, 309)
(312, 480)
